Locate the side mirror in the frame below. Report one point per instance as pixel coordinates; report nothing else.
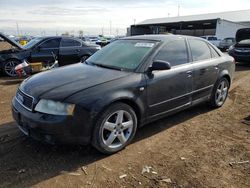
(160, 65)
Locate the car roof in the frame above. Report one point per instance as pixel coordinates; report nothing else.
(161, 37)
(59, 37)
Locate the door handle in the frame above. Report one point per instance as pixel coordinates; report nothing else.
(77, 50)
(189, 74)
(216, 67)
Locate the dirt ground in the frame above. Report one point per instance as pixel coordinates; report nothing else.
(199, 147)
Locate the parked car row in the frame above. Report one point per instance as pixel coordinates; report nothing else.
(241, 50)
(42, 49)
(123, 86)
(223, 45)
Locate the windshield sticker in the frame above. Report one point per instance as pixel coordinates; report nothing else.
(144, 45)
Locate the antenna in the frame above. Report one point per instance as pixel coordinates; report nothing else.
(179, 10)
(17, 29)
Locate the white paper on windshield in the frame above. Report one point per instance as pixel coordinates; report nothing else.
(144, 45)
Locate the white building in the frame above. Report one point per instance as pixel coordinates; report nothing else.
(222, 25)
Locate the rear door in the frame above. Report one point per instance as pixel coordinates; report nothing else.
(69, 51)
(205, 65)
(170, 90)
(44, 51)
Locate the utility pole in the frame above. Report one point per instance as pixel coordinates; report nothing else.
(179, 10)
(110, 27)
(17, 29)
(134, 21)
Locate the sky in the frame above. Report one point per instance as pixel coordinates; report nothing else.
(51, 17)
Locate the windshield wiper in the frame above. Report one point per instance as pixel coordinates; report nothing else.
(107, 66)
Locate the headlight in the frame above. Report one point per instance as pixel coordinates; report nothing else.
(54, 107)
(231, 48)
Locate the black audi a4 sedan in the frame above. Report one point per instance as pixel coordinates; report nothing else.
(131, 82)
(42, 49)
(241, 50)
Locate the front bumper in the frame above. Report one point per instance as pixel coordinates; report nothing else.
(240, 57)
(51, 128)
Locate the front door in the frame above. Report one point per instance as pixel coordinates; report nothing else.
(44, 51)
(170, 90)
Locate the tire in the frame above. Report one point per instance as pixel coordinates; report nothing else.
(84, 58)
(115, 128)
(9, 67)
(220, 93)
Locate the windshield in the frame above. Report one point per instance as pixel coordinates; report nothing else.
(32, 43)
(122, 54)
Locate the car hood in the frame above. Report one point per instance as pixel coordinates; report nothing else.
(242, 34)
(60, 83)
(11, 42)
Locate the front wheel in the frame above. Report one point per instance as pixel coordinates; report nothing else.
(9, 67)
(115, 128)
(220, 92)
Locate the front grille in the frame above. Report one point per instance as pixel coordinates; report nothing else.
(25, 100)
(242, 51)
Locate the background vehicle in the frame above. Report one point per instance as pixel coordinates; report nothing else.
(212, 39)
(145, 79)
(226, 43)
(241, 50)
(68, 50)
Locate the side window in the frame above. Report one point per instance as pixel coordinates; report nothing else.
(212, 38)
(174, 52)
(214, 53)
(52, 43)
(70, 43)
(199, 49)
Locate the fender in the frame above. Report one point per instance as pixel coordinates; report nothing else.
(126, 96)
(225, 73)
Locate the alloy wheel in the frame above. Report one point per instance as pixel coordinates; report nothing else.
(9, 68)
(117, 129)
(221, 93)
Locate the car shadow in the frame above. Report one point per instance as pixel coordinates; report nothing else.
(11, 81)
(25, 162)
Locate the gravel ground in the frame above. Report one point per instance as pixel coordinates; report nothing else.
(199, 147)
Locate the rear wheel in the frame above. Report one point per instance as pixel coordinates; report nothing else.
(115, 128)
(9, 67)
(220, 93)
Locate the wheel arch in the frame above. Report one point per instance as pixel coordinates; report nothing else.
(137, 106)
(225, 74)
